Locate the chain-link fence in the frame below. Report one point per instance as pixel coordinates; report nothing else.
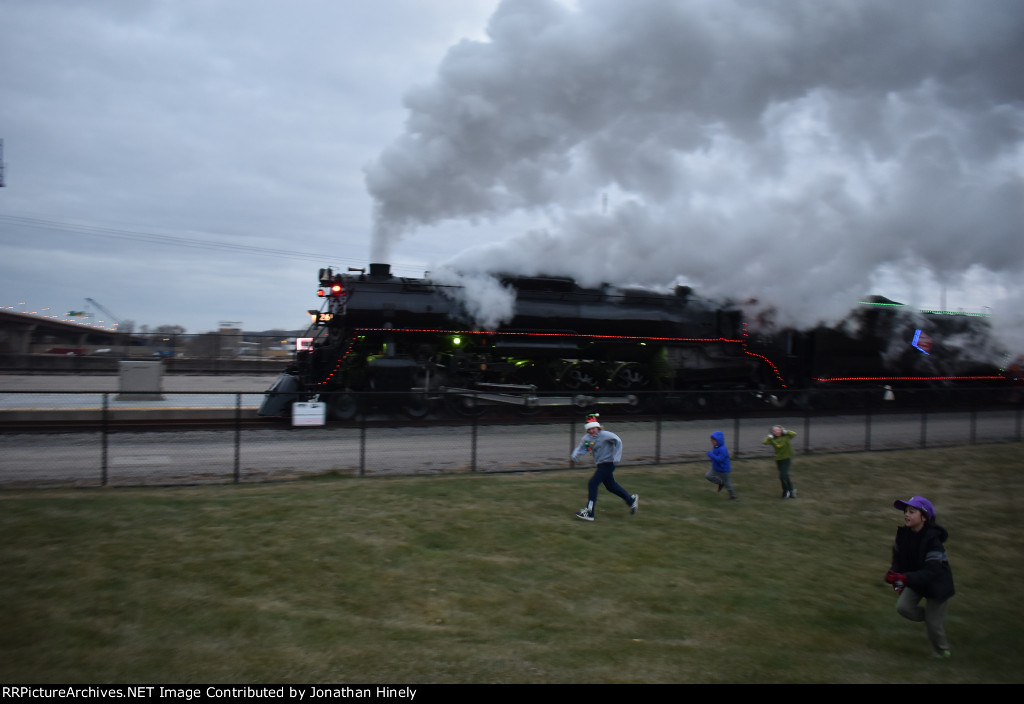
(117, 439)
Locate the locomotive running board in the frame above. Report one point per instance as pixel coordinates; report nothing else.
(533, 401)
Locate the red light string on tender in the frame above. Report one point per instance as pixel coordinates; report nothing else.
(906, 378)
(552, 334)
(771, 364)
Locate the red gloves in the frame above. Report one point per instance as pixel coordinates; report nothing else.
(897, 580)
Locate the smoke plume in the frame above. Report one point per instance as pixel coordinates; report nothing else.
(787, 151)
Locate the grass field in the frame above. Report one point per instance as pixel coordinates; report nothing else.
(472, 578)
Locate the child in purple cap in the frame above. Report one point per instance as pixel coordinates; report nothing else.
(920, 570)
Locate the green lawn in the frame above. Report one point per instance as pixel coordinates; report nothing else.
(490, 578)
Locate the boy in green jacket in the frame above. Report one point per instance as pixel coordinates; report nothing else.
(779, 440)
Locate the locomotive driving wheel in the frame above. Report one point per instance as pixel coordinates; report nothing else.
(631, 376)
(464, 405)
(417, 406)
(342, 406)
(581, 376)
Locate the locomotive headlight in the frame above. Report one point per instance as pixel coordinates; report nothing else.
(456, 341)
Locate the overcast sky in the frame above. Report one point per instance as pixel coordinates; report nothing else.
(192, 161)
(242, 123)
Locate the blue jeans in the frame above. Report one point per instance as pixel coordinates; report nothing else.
(604, 474)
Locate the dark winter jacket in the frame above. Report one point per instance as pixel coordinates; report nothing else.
(720, 453)
(922, 558)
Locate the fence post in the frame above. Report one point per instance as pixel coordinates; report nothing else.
(1020, 407)
(924, 423)
(473, 440)
(867, 426)
(572, 435)
(807, 433)
(362, 442)
(657, 428)
(104, 420)
(974, 420)
(238, 436)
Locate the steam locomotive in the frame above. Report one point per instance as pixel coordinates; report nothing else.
(570, 345)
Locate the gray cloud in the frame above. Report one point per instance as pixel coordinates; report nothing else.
(243, 122)
(788, 151)
(801, 152)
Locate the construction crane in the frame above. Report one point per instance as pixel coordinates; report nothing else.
(105, 311)
(157, 352)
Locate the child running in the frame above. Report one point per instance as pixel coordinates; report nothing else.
(721, 468)
(779, 440)
(606, 448)
(920, 570)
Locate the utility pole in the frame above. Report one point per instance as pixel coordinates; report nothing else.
(2, 184)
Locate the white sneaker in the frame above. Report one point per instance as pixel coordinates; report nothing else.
(635, 506)
(585, 514)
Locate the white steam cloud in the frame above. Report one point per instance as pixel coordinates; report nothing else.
(483, 298)
(786, 150)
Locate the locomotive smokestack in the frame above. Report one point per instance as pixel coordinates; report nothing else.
(382, 270)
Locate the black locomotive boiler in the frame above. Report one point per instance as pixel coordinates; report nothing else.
(569, 345)
(564, 344)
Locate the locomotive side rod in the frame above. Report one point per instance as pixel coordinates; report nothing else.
(533, 401)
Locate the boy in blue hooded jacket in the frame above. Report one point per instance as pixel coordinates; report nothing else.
(720, 465)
